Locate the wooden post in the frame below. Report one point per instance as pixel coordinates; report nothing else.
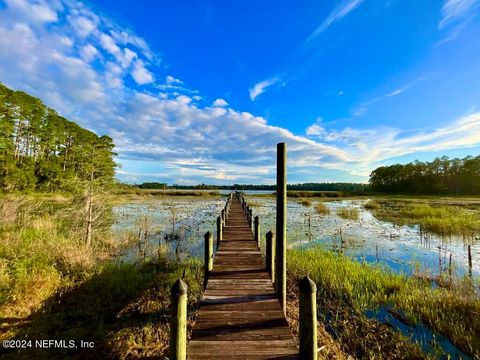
(308, 319)
(257, 231)
(469, 249)
(208, 257)
(178, 321)
(223, 215)
(281, 228)
(219, 232)
(250, 217)
(270, 255)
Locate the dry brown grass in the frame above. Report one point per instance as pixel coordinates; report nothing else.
(322, 209)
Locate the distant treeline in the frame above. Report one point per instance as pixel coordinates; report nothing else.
(41, 150)
(440, 176)
(298, 187)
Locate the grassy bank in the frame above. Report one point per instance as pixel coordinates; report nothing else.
(347, 289)
(54, 286)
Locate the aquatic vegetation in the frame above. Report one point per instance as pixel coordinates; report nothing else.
(322, 209)
(442, 220)
(305, 202)
(347, 289)
(349, 213)
(371, 205)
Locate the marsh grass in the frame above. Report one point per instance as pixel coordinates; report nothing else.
(42, 248)
(123, 308)
(443, 220)
(349, 213)
(53, 286)
(322, 209)
(371, 205)
(306, 202)
(347, 289)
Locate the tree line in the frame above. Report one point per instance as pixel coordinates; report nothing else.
(440, 176)
(41, 150)
(297, 187)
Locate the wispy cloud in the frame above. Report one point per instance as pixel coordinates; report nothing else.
(339, 12)
(260, 87)
(364, 105)
(455, 10)
(367, 148)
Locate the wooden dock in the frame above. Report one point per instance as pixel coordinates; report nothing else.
(240, 316)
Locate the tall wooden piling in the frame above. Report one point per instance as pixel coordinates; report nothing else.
(281, 226)
(308, 319)
(257, 231)
(270, 255)
(469, 250)
(219, 231)
(208, 257)
(178, 321)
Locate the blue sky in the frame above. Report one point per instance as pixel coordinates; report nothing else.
(201, 91)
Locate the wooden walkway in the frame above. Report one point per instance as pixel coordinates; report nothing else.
(240, 316)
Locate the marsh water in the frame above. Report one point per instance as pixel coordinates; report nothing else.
(176, 226)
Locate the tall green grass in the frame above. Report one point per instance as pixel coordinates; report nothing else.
(441, 220)
(348, 287)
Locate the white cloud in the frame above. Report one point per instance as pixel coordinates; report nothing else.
(170, 80)
(260, 87)
(454, 10)
(109, 44)
(37, 12)
(82, 25)
(88, 52)
(368, 147)
(339, 12)
(140, 74)
(364, 105)
(187, 141)
(220, 103)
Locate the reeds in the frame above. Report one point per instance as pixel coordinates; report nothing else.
(349, 213)
(322, 209)
(345, 285)
(306, 202)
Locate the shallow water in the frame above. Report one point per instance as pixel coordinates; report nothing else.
(369, 239)
(193, 218)
(401, 248)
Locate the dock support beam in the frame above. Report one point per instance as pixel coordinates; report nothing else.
(257, 231)
(270, 255)
(308, 319)
(281, 228)
(178, 321)
(208, 257)
(219, 231)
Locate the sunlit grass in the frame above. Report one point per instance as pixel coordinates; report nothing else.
(346, 286)
(322, 209)
(441, 220)
(306, 202)
(349, 213)
(371, 205)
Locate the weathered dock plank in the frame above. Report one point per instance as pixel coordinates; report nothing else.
(240, 316)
